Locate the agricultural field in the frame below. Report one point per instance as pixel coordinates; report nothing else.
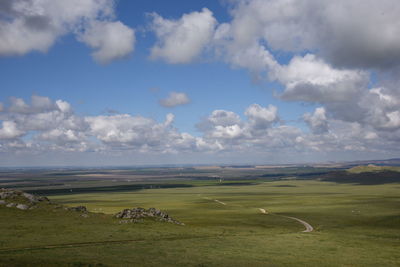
(232, 217)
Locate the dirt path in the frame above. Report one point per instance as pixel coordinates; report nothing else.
(216, 200)
(220, 202)
(263, 211)
(308, 226)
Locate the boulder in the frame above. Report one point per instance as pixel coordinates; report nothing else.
(34, 199)
(78, 208)
(2, 202)
(22, 207)
(11, 205)
(7, 194)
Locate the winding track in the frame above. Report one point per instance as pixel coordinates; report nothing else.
(308, 226)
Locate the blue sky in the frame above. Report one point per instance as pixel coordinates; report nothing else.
(68, 72)
(243, 82)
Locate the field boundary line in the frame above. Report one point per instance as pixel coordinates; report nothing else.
(96, 243)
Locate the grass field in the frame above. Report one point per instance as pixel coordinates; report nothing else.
(355, 225)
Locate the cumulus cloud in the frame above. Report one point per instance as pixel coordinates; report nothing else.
(175, 99)
(317, 121)
(53, 126)
(121, 128)
(310, 79)
(222, 118)
(261, 117)
(48, 124)
(35, 25)
(332, 50)
(44, 125)
(111, 40)
(231, 132)
(9, 130)
(182, 40)
(347, 33)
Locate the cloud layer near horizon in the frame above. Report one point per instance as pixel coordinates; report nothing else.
(46, 125)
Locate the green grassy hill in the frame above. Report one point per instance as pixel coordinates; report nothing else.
(354, 226)
(373, 168)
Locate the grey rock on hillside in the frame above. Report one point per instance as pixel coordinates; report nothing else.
(136, 214)
(19, 199)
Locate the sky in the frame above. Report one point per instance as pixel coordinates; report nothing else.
(104, 83)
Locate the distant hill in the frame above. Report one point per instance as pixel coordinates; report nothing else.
(373, 168)
(380, 162)
(365, 175)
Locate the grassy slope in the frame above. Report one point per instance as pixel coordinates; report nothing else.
(373, 168)
(355, 226)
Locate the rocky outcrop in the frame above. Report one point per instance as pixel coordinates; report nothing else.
(81, 209)
(138, 214)
(78, 209)
(19, 199)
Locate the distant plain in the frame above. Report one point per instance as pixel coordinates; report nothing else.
(355, 224)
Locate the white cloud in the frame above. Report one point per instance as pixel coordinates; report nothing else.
(175, 99)
(232, 133)
(35, 25)
(111, 40)
(310, 79)
(121, 128)
(41, 103)
(219, 117)
(64, 106)
(138, 133)
(45, 125)
(182, 40)
(347, 39)
(260, 117)
(18, 105)
(169, 119)
(252, 56)
(356, 33)
(9, 130)
(317, 121)
(227, 132)
(224, 118)
(49, 124)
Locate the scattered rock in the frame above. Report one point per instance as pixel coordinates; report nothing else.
(34, 199)
(136, 214)
(15, 198)
(22, 207)
(5, 194)
(78, 208)
(24, 201)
